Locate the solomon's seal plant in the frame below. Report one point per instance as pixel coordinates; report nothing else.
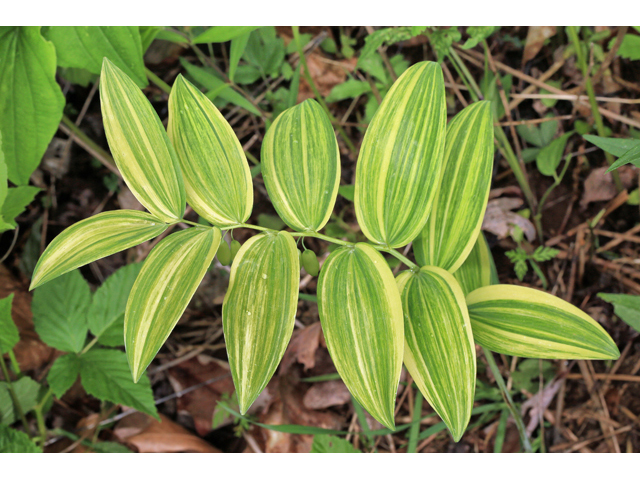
(417, 180)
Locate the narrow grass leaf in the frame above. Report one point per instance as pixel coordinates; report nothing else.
(94, 238)
(259, 309)
(361, 315)
(238, 44)
(140, 146)
(301, 166)
(214, 166)
(168, 279)
(524, 322)
(439, 352)
(614, 146)
(478, 270)
(458, 210)
(401, 158)
(222, 34)
(632, 156)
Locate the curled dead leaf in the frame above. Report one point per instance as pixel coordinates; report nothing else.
(535, 40)
(326, 394)
(599, 186)
(302, 348)
(501, 221)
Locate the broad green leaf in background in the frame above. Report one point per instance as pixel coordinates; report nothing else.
(459, 206)
(384, 36)
(94, 238)
(401, 157)
(27, 392)
(147, 36)
(477, 34)
(105, 374)
(63, 374)
(478, 270)
(439, 352)
(524, 322)
(347, 191)
(361, 315)
(550, 156)
(16, 201)
(351, 88)
(265, 50)
(214, 166)
(630, 47)
(632, 156)
(15, 441)
(9, 334)
(31, 101)
(441, 40)
(60, 312)
(238, 44)
(168, 279)
(140, 146)
(614, 146)
(332, 444)
(85, 47)
(301, 166)
(538, 135)
(222, 34)
(106, 313)
(627, 307)
(491, 92)
(259, 310)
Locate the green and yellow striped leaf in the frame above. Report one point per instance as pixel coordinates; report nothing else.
(140, 146)
(458, 210)
(259, 311)
(400, 160)
(361, 316)
(439, 352)
(478, 270)
(94, 238)
(525, 322)
(168, 279)
(301, 166)
(215, 170)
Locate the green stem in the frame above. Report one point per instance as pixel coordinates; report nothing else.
(88, 144)
(316, 92)
(89, 345)
(38, 410)
(507, 152)
(415, 427)
(582, 61)
(15, 366)
(558, 179)
(14, 396)
(476, 93)
(524, 438)
(164, 86)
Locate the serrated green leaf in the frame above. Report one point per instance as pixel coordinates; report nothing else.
(140, 146)
(627, 307)
(221, 34)
(525, 322)
(85, 47)
(15, 441)
(16, 201)
(630, 47)
(63, 374)
(332, 444)
(301, 166)
(31, 101)
(384, 36)
(401, 157)
(459, 206)
(439, 352)
(26, 390)
(477, 270)
(105, 374)
(168, 279)
(259, 309)
(550, 156)
(106, 313)
(542, 254)
(9, 334)
(361, 315)
(92, 239)
(520, 267)
(632, 156)
(60, 312)
(214, 166)
(614, 146)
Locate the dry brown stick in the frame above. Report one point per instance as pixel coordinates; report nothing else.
(620, 377)
(618, 238)
(534, 121)
(611, 55)
(572, 447)
(454, 85)
(555, 96)
(543, 78)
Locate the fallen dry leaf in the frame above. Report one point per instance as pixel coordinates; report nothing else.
(539, 403)
(326, 394)
(599, 186)
(535, 40)
(325, 73)
(302, 348)
(501, 221)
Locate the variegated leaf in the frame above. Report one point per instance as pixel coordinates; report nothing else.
(458, 210)
(525, 322)
(400, 160)
(215, 170)
(361, 315)
(478, 270)
(94, 238)
(168, 279)
(439, 352)
(301, 166)
(140, 146)
(259, 311)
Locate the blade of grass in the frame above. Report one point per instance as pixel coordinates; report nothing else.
(415, 428)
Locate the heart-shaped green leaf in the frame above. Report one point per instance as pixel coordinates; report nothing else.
(361, 315)
(168, 279)
(401, 157)
(478, 270)
(439, 352)
(214, 166)
(259, 311)
(92, 239)
(525, 322)
(458, 210)
(140, 146)
(301, 166)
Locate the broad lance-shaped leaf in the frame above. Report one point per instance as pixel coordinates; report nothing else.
(361, 316)
(214, 166)
(458, 210)
(478, 270)
(525, 322)
(301, 166)
(168, 279)
(439, 352)
(259, 311)
(140, 146)
(400, 160)
(92, 239)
